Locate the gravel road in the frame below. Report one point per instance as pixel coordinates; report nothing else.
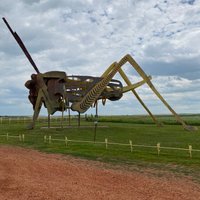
(28, 174)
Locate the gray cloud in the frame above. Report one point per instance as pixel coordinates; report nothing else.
(85, 37)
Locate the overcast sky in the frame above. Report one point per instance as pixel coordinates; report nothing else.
(83, 37)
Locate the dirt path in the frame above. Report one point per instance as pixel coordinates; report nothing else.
(28, 174)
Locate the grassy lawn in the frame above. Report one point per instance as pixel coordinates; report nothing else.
(119, 129)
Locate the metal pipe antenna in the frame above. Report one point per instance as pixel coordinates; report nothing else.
(21, 44)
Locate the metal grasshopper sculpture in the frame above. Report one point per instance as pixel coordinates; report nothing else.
(59, 92)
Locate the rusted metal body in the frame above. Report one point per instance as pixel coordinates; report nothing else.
(70, 89)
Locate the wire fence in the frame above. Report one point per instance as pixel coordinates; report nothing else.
(55, 121)
(13, 120)
(66, 141)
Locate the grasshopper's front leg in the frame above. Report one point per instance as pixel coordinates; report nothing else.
(36, 110)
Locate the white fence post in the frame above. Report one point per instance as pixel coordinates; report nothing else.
(7, 136)
(45, 139)
(158, 148)
(190, 150)
(131, 145)
(106, 141)
(66, 141)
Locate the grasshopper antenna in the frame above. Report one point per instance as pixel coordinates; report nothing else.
(21, 44)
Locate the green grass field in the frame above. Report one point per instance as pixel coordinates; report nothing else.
(119, 129)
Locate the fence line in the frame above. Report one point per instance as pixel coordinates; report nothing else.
(11, 120)
(21, 137)
(49, 139)
(158, 146)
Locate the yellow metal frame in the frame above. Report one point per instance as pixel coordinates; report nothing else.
(93, 95)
